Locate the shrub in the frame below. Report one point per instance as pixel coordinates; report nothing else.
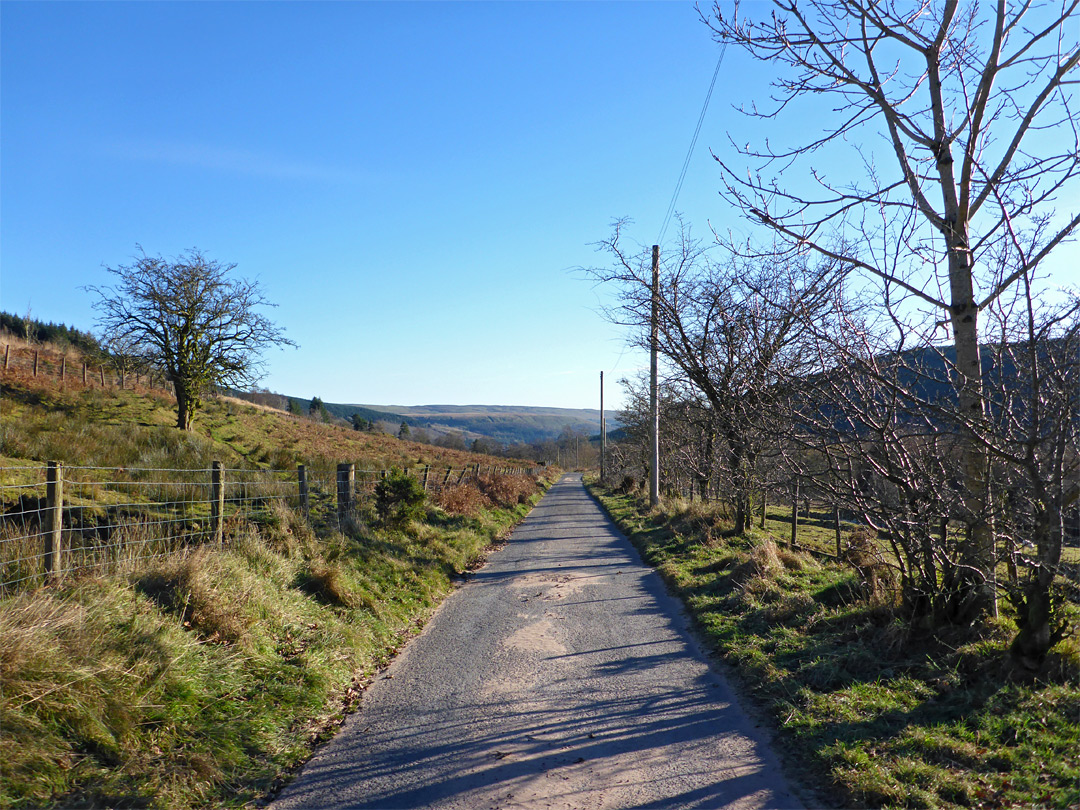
(399, 498)
(506, 490)
(462, 499)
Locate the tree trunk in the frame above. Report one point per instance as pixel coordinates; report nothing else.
(1036, 635)
(740, 483)
(705, 479)
(184, 409)
(974, 594)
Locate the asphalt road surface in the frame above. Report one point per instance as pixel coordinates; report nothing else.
(560, 676)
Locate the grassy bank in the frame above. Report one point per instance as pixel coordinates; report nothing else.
(871, 713)
(203, 678)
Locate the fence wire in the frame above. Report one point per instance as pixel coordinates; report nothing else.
(110, 518)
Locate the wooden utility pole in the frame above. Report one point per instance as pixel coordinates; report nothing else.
(603, 432)
(654, 384)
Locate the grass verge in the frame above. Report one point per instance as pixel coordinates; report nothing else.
(870, 712)
(202, 679)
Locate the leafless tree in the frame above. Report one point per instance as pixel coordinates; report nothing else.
(726, 346)
(958, 126)
(124, 353)
(1033, 393)
(874, 431)
(191, 320)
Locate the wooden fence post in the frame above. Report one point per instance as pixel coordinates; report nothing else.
(425, 477)
(53, 521)
(764, 507)
(794, 515)
(7, 354)
(346, 480)
(217, 504)
(101, 370)
(84, 373)
(35, 361)
(446, 480)
(836, 522)
(301, 475)
(63, 367)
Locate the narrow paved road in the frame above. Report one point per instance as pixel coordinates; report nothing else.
(560, 676)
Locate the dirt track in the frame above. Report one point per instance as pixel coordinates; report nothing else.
(560, 676)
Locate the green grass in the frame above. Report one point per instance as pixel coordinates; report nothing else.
(871, 713)
(204, 677)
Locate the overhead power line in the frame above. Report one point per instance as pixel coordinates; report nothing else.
(690, 151)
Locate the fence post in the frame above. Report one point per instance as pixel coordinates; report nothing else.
(84, 373)
(101, 371)
(764, 507)
(794, 515)
(346, 478)
(35, 361)
(7, 354)
(301, 475)
(446, 480)
(836, 521)
(217, 504)
(63, 367)
(54, 521)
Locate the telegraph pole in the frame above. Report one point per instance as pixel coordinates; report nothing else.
(603, 431)
(654, 385)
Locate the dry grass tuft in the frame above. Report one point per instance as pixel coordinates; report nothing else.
(183, 585)
(326, 582)
(877, 578)
(797, 560)
(763, 563)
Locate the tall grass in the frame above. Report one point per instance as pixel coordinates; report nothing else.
(184, 675)
(201, 678)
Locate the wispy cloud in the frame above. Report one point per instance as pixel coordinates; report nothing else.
(233, 161)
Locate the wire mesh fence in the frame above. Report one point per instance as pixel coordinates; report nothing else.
(76, 370)
(57, 520)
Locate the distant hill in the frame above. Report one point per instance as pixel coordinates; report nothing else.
(509, 424)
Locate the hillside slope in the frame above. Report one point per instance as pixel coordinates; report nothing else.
(200, 675)
(509, 424)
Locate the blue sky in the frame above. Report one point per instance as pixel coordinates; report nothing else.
(412, 183)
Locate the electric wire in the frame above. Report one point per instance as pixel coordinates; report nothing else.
(690, 151)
